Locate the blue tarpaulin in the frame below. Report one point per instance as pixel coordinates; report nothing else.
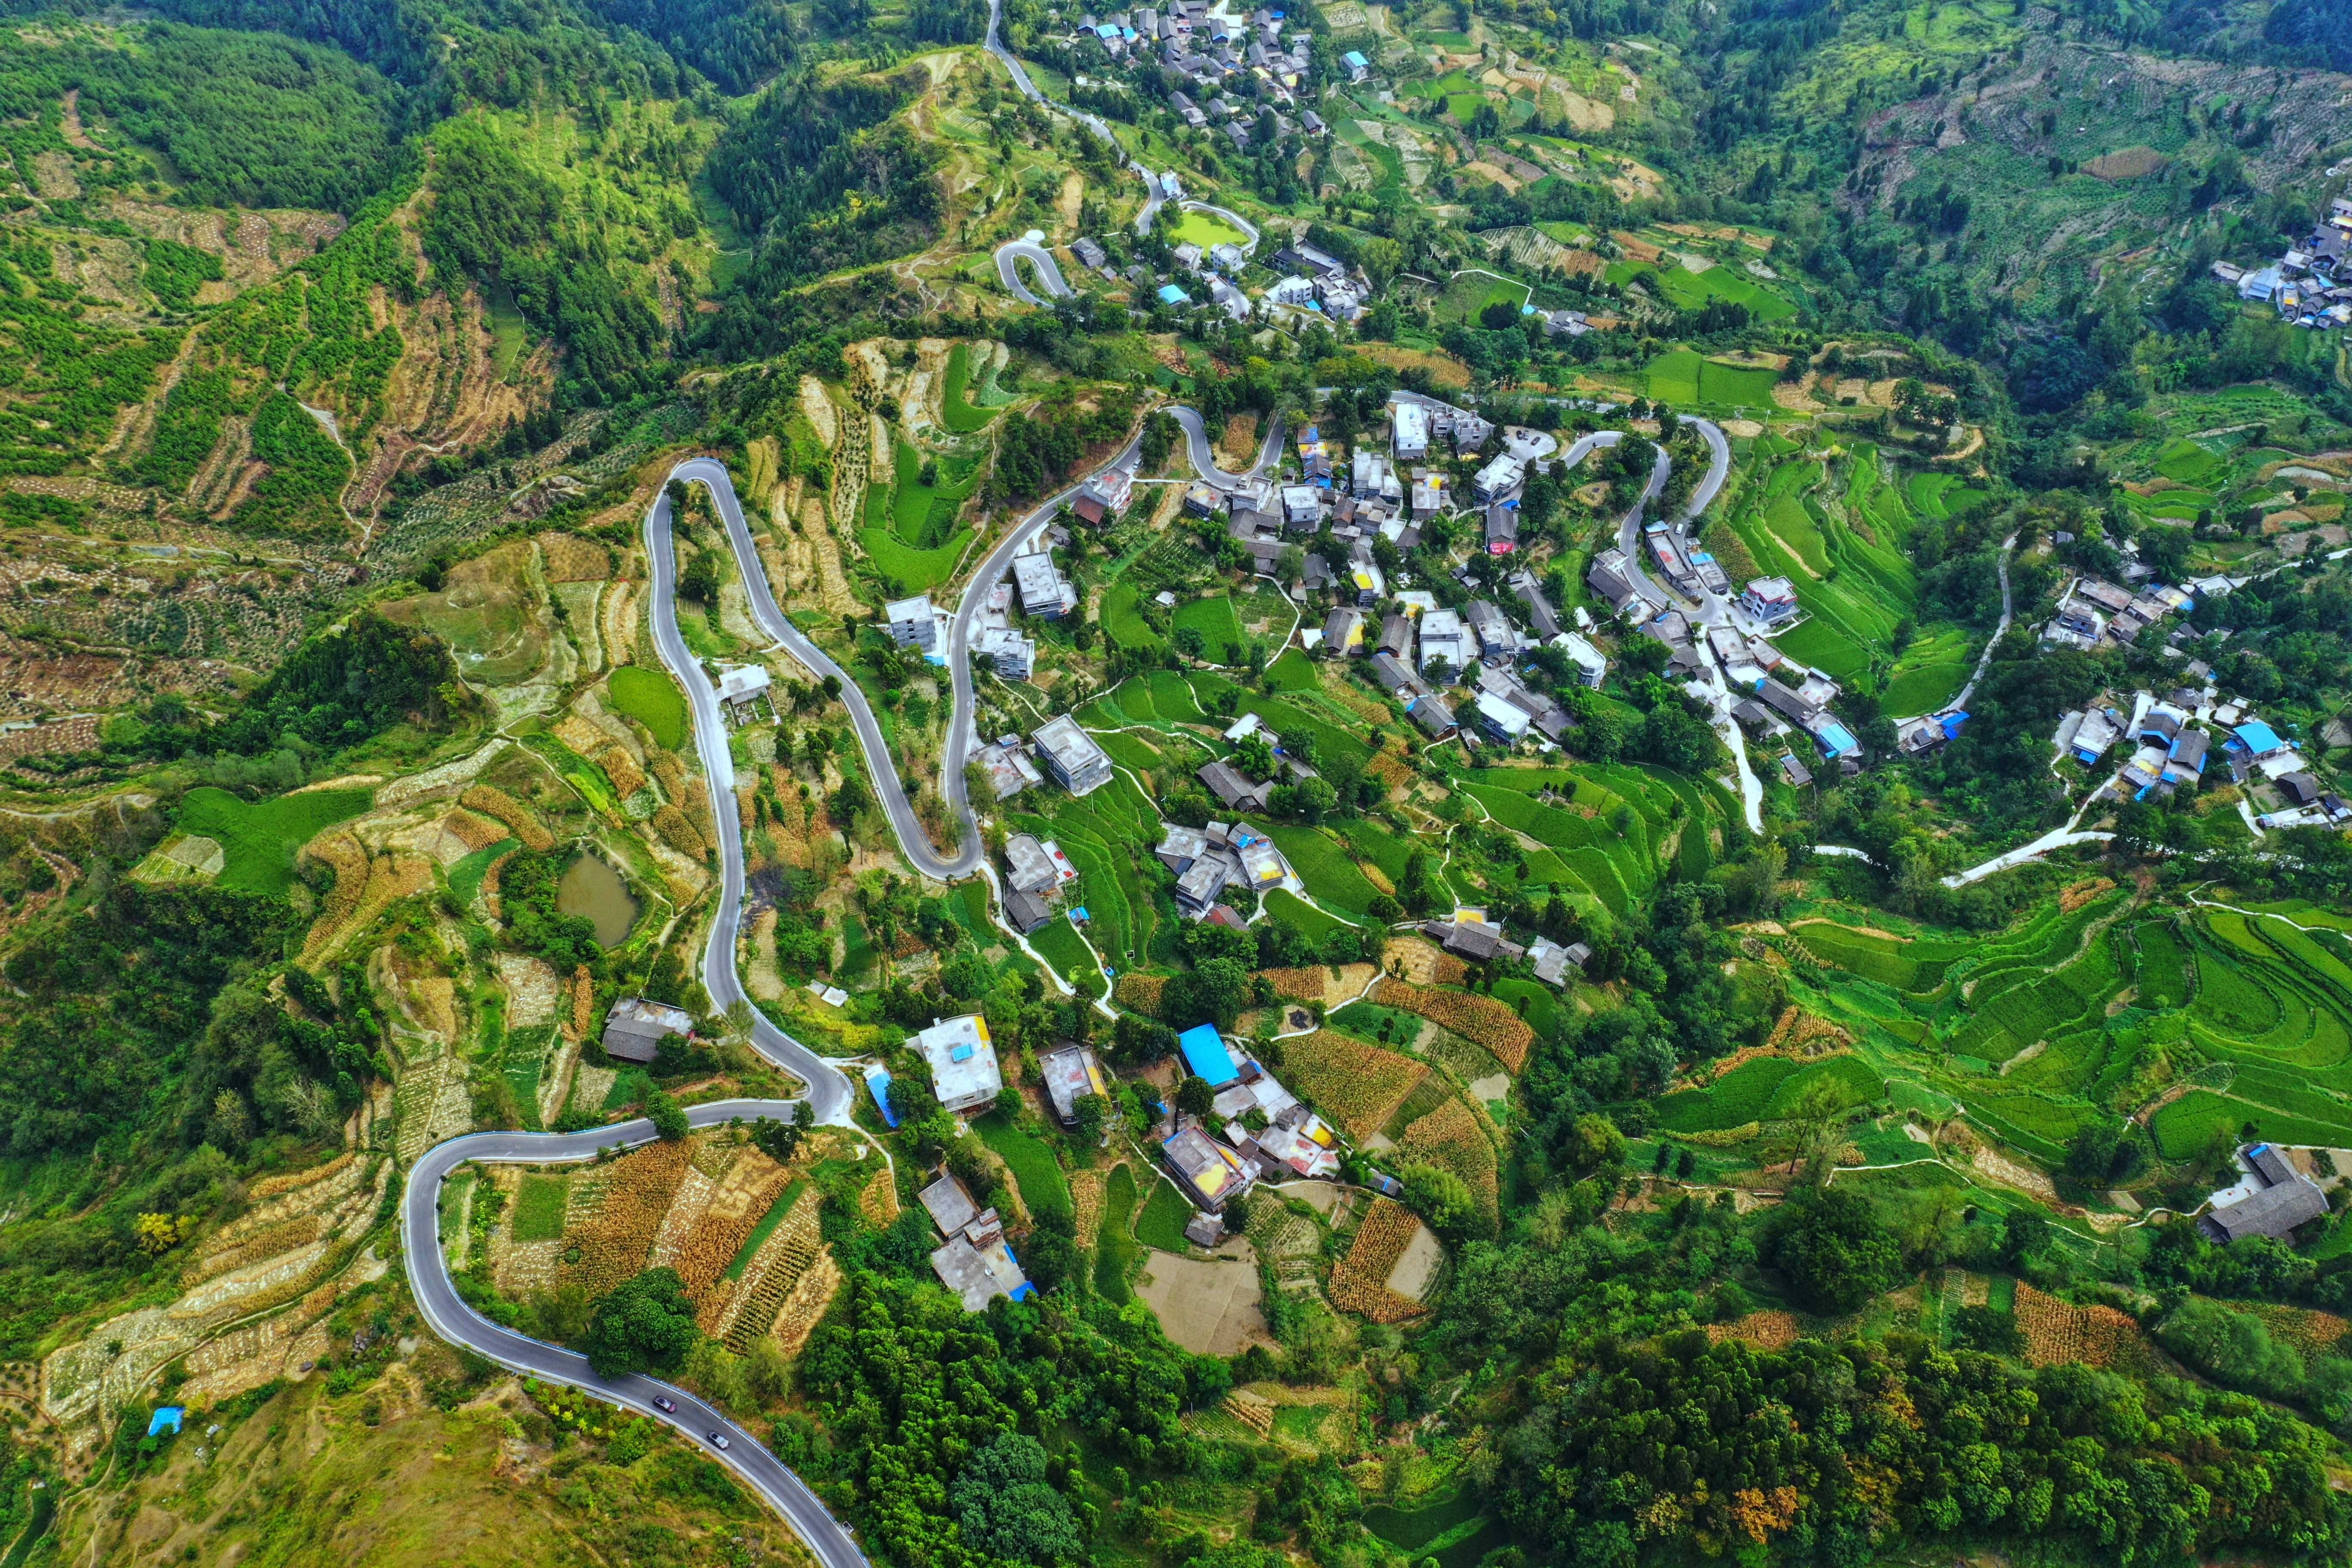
(167, 1419)
(1205, 1055)
(878, 1080)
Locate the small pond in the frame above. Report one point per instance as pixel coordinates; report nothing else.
(592, 888)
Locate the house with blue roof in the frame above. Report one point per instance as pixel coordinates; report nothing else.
(1206, 1056)
(2256, 740)
(1171, 295)
(1834, 739)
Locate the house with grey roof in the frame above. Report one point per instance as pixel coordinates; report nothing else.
(2282, 1198)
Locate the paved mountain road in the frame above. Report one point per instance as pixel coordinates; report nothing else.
(1029, 249)
(449, 1316)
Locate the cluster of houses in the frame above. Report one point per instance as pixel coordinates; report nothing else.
(975, 1261)
(1786, 699)
(2310, 284)
(1059, 749)
(1217, 67)
(1036, 874)
(2174, 739)
(1318, 281)
(1313, 284)
(2093, 613)
(1474, 938)
(1208, 860)
(2271, 1199)
(1418, 658)
(1263, 1133)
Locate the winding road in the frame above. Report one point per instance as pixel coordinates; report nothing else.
(1030, 247)
(1153, 197)
(448, 1315)
(711, 734)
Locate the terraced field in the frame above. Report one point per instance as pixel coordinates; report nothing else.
(2034, 1031)
(1856, 584)
(1604, 834)
(1108, 836)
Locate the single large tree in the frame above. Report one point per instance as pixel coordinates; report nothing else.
(644, 1324)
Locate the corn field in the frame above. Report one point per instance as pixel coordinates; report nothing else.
(1480, 1019)
(1360, 1282)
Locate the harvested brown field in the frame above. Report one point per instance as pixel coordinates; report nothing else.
(1425, 963)
(1140, 992)
(2125, 163)
(615, 1239)
(735, 1207)
(524, 821)
(474, 832)
(2309, 1331)
(1453, 1138)
(1765, 1330)
(1303, 984)
(879, 1201)
(2058, 1332)
(1479, 1019)
(270, 1186)
(1359, 1282)
(572, 559)
(621, 768)
(2076, 895)
(1356, 1083)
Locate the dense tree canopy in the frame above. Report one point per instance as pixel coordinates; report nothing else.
(643, 1325)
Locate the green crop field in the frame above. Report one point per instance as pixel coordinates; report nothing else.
(1329, 872)
(1929, 672)
(1123, 622)
(766, 1227)
(1115, 1246)
(2037, 1029)
(956, 410)
(1108, 835)
(466, 875)
(539, 1207)
(1856, 587)
(912, 531)
(653, 699)
(1043, 1189)
(1205, 230)
(1215, 620)
(1684, 377)
(1162, 1223)
(1282, 904)
(1057, 942)
(259, 841)
(1736, 1099)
